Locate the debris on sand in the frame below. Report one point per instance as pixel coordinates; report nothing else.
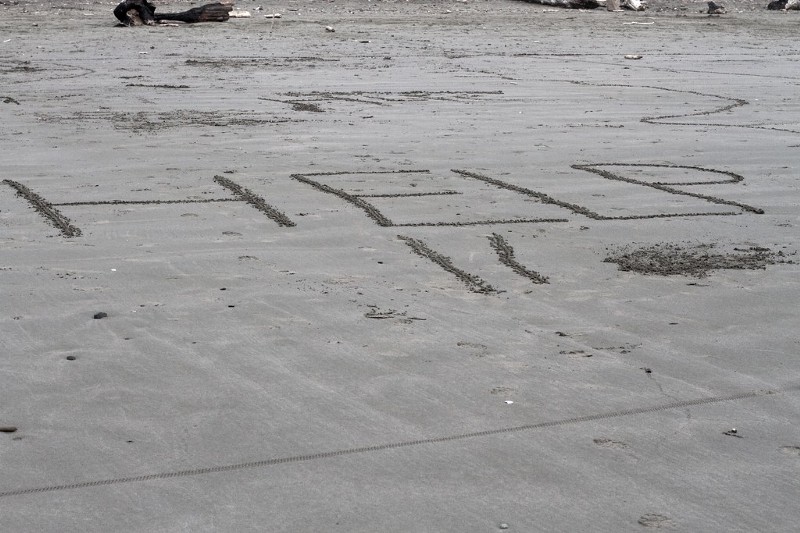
(142, 12)
(715, 9)
(380, 314)
(622, 5)
(633, 5)
(669, 259)
(610, 5)
(784, 5)
(307, 106)
(568, 4)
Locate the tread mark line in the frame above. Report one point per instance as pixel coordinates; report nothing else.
(505, 252)
(473, 282)
(735, 178)
(371, 211)
(149, 202)
(662, 120)
(256, 201)
(46, 209)
(403, 444)
(580, 210)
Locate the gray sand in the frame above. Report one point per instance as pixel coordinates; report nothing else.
(361, 280)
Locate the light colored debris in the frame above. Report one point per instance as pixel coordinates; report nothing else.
(633, 5)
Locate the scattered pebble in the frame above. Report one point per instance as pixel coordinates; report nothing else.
(329, 29)
(71, 358)
(503, 526)
(732, 433)
(101, 314)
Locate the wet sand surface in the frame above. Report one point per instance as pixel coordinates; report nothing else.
(450, 267)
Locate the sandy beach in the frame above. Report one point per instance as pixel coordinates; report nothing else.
(451, 266)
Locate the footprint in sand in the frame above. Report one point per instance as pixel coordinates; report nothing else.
(794, 451)
(655, 520)
(481, 349)
(608, 443)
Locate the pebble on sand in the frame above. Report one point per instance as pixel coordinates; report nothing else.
(7, 429)
(100, 315)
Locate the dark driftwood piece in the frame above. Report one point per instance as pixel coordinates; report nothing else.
(138, 12)
(569, 4)
(784, 5)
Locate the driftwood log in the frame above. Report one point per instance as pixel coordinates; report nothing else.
(633, 5)
(784, 5)
(569, 4)
(139, 12)
(611, 5)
